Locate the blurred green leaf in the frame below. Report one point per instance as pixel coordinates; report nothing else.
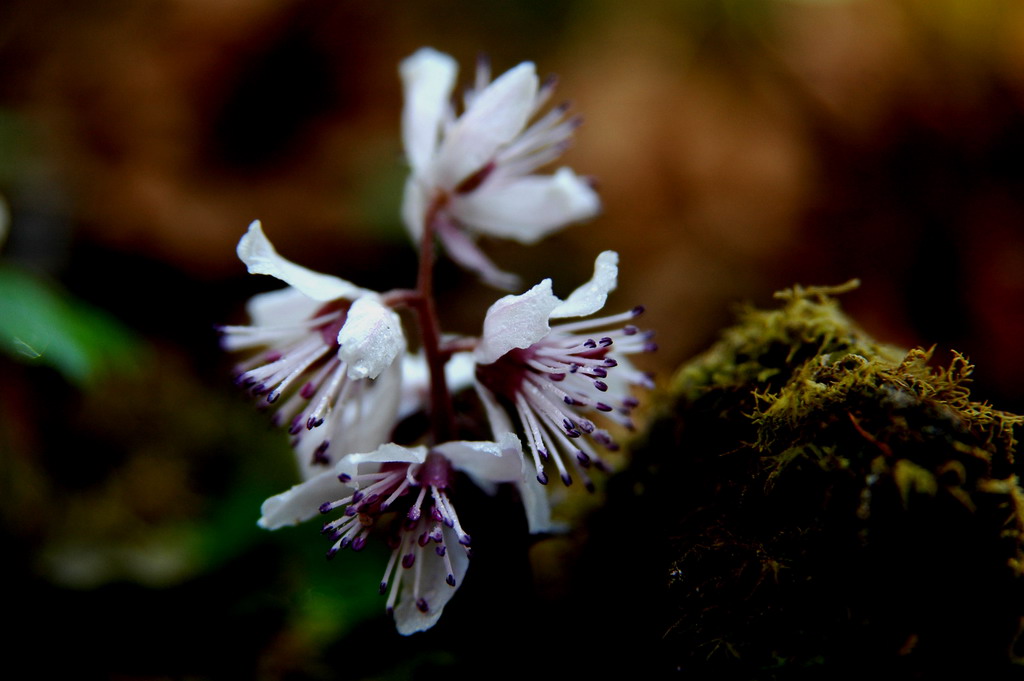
(39, 324)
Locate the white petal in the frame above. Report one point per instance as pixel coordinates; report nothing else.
(527, 208)
(370, 339)
(433, 587)
(462, 248)
(496, 116)
(536, 505)
(486, 462)
(258, 254)
(516, 322)
(386, 453)
(414, 208)
(459, 375)
(282, 307)
(428, 77)
(302, 501)
(361, 424)
(589, 298)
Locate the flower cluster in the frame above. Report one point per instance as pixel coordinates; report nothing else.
(331, 361)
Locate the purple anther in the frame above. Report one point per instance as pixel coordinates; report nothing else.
(314, 422)
(370, 499)
(408, 560)
(566, 479)
(609, 362)
(259, 389)
(601, 406)
(358, 543)
(589, 486)
(638, 310)
(344, 477)
(436, 514)
(357, 496)
(414, 513)
(326, 507)
(573, 368)
(343, 544)
(450, 579)
(328, 527)
(423, 539)
(271, 357)
(307, 391)
(440, 550)
(273, 395)
(573, 433)
(383, 588)
(557, 377)
(351, 511)
(590, 343)
(601, 385)
(464, 540)
(605, 342)
(583, 459)
(630, 330)
(650, 347)
(542, 478)
(421, 605)
(543, 453)
(567, 424)
(630, 402)
(600, 372)
(332, 552)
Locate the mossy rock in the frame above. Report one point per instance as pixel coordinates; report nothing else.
(831, 504)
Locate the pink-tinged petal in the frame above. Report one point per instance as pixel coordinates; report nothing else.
(370, 339)
(302, 501)
(464, 251)
(516, 322)
(428, 77)
(258, 254)
(527, 208)
(434, 590)
(496, 117)
(590, 297)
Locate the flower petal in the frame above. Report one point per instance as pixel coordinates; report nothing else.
(302, 501)
(282, 307)
(258, 254)
(527, 208)
(486, 462)
(370, 339)
(496, 116)
(590, 297)
(414, 208)
(463, 250)
(434, 590)
(428, 77)
(516, 322)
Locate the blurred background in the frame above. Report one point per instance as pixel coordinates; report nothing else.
(740, 146)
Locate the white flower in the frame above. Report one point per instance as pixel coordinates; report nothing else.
(473, 174)
(329, 349)
(415, 485)
(553, 377)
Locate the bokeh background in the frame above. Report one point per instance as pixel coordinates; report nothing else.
(740, 146)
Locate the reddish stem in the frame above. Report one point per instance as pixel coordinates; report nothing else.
(442, 414)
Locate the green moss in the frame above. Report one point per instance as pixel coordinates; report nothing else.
(835, 504)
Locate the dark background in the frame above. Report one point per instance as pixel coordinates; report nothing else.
(740, 147)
